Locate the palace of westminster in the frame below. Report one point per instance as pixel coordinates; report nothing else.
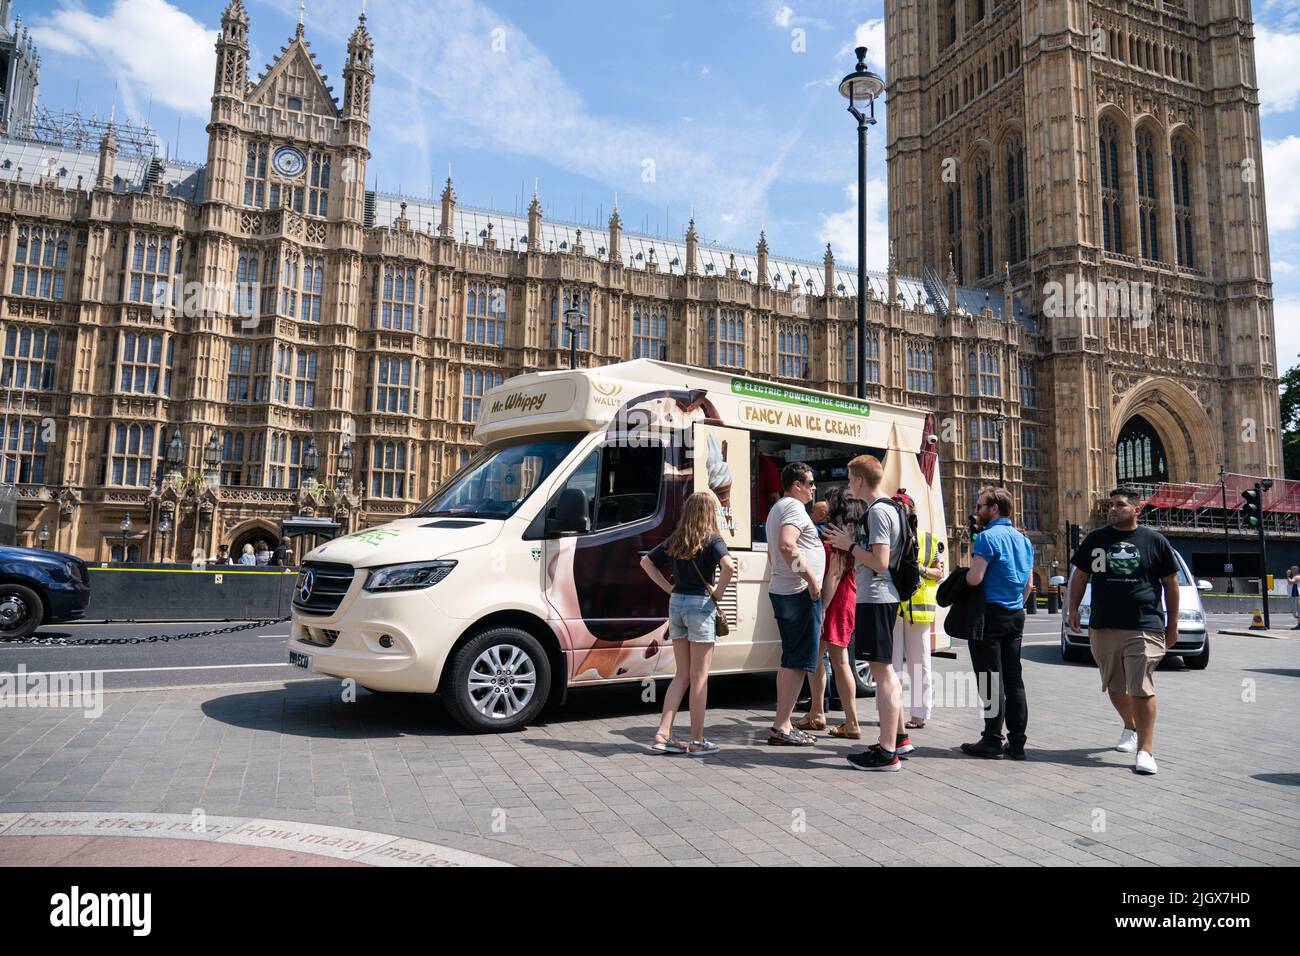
(1030, 143)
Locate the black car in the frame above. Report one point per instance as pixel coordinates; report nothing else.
(40, 587)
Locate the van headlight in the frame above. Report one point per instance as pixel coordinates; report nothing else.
(1192, 615)
(408, 577)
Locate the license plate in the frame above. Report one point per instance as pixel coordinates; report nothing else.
(300, 660)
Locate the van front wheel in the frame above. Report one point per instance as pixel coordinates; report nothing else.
(499, 681)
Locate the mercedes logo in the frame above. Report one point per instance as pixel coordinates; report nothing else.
(306, 580)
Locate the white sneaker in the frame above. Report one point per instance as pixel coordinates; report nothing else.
(1145, 763)
(1128, 742)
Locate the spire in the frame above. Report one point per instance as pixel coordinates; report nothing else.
(535, 223)
(616, 235)
(359, 71)
(302, 17)
(692, 248)
(232, 52)
(762, 257)
(892, 271)
(446, 227)
(1008, 302)
(828, 266)
(105, 171)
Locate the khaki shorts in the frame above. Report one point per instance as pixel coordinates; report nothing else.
(1127, 659)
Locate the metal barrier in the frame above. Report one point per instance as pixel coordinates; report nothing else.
(166, 592)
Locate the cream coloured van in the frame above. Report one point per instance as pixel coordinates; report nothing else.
(519, 578)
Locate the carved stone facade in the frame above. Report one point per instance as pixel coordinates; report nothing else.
(1110, 146)
(381, 319)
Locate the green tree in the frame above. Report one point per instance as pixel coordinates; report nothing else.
(1290, 389)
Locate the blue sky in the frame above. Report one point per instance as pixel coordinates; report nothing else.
(725, 107)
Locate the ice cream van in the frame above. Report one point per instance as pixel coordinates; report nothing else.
(519, 579)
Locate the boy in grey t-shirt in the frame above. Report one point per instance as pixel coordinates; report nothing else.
(882, 528)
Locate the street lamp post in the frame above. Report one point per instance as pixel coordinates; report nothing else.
(211, 462)
(164, 526)
(1227, 540)
(175, 452)
(345, 466)
(860, 88)
(1000, 423)
(44, 537)
(573, 322)
(126, 527)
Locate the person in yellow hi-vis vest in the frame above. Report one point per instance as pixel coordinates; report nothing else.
(912, 630)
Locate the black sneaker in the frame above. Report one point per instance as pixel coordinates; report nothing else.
(989, 750)
(876, 759)
(897, 751)
(1012, 753)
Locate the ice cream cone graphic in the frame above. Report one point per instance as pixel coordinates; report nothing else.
(719, 473)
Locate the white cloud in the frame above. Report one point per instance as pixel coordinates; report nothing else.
(151, 48)
(1282, 267)
(871, 35)
(456, 74)
(1281, 158)
(840, 229)
(1276, 56)
(783, 16)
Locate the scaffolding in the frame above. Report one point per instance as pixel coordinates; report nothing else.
(71, 129)
(1189, 506)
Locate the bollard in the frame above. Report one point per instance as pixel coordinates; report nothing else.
(1053, 601)
(1032, 606)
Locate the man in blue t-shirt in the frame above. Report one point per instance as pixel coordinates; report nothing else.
(1003, 561)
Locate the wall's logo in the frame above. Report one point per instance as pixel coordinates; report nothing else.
(606, 388)
(306, 581)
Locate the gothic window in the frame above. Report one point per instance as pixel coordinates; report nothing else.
(983, 438)
(1028, 383)
(295, 376)
(949, 22)
(1029, 447)
(1017, 231)
(650, 331)
(29, 358)
(140, 365)
(1182, 186)
(983, 184)
(390, 469)
(477, 381)
(1031, 509)
(727, 338)
(246, 273)
(920, 367)
(851, 357)
(248, 375)
(132, 455)
(23, 461)
(984, 372)
(792, 351)
(392, 383)
(1139, 454)
(1112, 201)
(318, 192)
(283, 286)
(954, 229)
(399, 303)
(485, 314)
(255, 175)
(148, 269)
(1148, 207)
(241, 459)
(560, 303)
(872, 364)
(40, 262)
(313, 282)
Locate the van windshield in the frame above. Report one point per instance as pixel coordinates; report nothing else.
(499, 479)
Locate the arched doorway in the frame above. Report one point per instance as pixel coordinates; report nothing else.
(252, 534)
(1140, 454)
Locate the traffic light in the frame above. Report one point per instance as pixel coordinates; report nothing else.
(1076, 536)
(1250, 509)
(972, 526)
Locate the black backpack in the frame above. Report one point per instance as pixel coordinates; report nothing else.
(904, 566)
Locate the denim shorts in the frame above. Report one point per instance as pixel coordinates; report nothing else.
(799, 621)
(691, 617)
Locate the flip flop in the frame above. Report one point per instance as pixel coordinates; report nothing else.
(843, 732)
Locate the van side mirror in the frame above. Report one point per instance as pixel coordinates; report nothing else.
(572, 513)
(1203, 585)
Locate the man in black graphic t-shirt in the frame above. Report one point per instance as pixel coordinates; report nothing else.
(1134, 616)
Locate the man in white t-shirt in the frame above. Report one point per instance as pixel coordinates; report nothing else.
(797, 561)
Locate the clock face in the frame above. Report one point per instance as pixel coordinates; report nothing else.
(289, 162)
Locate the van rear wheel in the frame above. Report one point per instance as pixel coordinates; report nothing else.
(499, 681)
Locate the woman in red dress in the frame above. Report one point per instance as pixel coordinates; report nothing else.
(839, 599)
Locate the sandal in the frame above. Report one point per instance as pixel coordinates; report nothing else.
(701, 748)
(667, 745)
(795, 738)
(808, 723)
(915, 723)
(843, 731)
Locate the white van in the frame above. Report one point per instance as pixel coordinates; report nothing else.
(1193, 644)
(519, 578)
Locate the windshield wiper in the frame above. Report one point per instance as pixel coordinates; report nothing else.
(448, 513)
